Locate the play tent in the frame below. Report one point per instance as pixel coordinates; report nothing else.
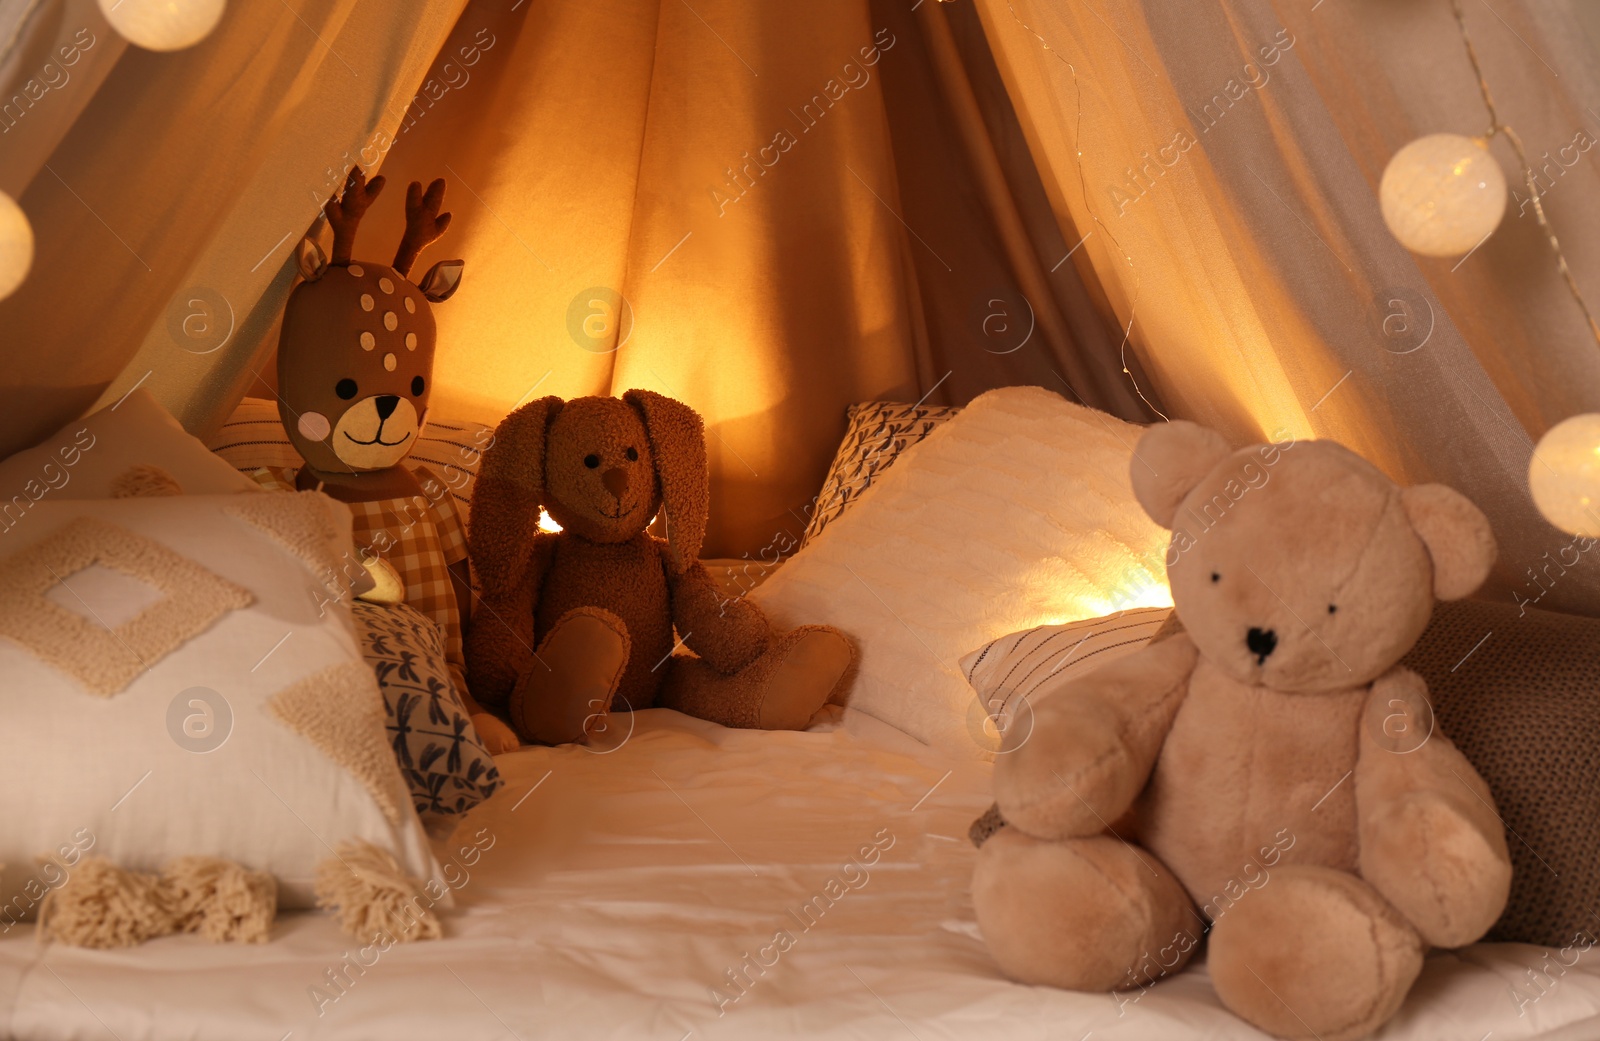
(773, 213)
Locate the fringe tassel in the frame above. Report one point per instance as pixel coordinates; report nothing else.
(103, 906)
(221, 900)
(373, 896)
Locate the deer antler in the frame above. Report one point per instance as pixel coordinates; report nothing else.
(345, 213)
(424, 223)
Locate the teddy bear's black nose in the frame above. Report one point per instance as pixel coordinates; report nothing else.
(1261, 642)
(385, 404)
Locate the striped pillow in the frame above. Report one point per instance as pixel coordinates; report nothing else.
(1024, 666)
(254, 437)
(875, 435)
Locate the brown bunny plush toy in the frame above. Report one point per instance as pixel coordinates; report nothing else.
(581, 622)
(355, 368)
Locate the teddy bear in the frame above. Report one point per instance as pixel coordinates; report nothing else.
(579, 622)
(1267, 780)
(355, 372)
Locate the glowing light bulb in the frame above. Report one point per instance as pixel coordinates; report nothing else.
(1442, 194)
(1564, 475)
(163, 25)
(16, 245)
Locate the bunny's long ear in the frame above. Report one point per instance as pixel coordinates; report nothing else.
(508, 495)
(678, 442)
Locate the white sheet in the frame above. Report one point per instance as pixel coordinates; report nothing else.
(620, 887)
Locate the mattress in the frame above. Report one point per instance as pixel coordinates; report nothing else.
(678, 881)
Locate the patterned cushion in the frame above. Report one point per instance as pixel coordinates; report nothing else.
(248, 727)
(1008, 672)
(253, 437)
(875, 435)
(440, 756)
(1519, 693)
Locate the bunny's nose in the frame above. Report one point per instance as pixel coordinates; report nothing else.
(385, 404)
(616, 481)
(1261, 642)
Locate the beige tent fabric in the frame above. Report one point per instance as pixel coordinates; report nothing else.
(166, 191)
(780, 197)
(1227, 158)
(628, 221)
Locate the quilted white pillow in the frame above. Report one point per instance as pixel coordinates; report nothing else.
(177, 678)
(1016, 513)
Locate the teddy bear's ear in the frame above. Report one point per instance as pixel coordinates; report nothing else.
(678, 442)
(1457, 535)
(509, 493)
(1170, 460)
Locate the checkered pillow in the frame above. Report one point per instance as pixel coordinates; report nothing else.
(876, 434)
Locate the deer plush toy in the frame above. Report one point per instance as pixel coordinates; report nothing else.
(577, 623)
(355, 368)
(1269, 774)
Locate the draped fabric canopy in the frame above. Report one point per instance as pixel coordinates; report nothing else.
(1227, 158)
(772, 211)
(167, 191)
(764, 210)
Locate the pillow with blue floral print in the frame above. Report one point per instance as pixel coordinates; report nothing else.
(445, 765)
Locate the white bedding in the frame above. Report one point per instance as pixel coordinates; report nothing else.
(621, 887)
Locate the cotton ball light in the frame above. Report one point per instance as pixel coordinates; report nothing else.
(1442, 194)
(163, 25)
(1564, 475)
(16, 245)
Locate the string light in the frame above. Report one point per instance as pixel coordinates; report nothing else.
(16, 245)
(163, 25)
(1497, 127)
(1083, 188)
(1443, 194)
(1564, 475)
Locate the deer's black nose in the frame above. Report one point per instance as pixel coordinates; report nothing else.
(386, 404)
(1261, 642)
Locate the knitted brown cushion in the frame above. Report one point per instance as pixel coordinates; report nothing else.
(1519, 694)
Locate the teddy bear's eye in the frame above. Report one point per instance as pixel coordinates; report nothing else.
(417, 385)
(633, 455)
(1332, 608)
(1215, 577)
(346, 389)
(591, 460)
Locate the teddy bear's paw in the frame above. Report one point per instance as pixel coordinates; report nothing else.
(1434, 864)
(1071, 777)
(1094, 914)
(1315, 953)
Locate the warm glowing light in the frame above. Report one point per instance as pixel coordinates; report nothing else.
(547, 523)
(16, 245)
(1564, 475)
(163, 25)
(1442, 194)
(1136, 587)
